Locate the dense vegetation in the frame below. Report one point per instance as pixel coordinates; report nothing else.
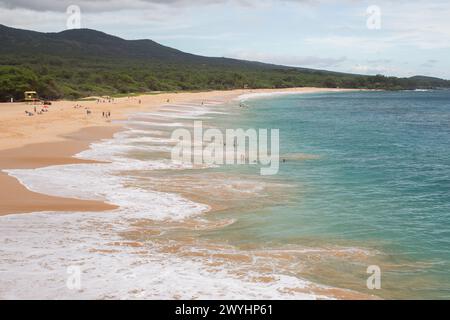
(79, 63)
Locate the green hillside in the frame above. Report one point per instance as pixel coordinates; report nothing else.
(83, 62)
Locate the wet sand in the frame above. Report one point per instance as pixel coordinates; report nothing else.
(15, 198)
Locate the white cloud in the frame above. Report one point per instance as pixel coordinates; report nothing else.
(114, 5)
(290, 60)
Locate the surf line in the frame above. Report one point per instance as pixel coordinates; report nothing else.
(234, 147)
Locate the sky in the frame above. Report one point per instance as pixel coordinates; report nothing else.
(390, 37)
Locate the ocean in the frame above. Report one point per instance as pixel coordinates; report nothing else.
(364, 181)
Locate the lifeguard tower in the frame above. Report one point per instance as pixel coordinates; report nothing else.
(31, 96)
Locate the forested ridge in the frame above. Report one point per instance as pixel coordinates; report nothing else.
(79, 63)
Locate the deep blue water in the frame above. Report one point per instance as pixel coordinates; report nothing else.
(381, 182)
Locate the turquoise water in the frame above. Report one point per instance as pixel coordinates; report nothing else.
(380, 182)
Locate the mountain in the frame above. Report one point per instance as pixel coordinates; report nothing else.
(84, 62)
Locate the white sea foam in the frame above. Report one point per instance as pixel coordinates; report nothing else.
(104, 182)
(36, 249)
(248, 96)
(189, 111)
(157, 124)
(137, 132)
(165, 116)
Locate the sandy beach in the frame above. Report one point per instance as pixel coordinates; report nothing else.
(53, 137)
(15, 198)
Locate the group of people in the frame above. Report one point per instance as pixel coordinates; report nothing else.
(36, 111)
(105, 100)
(134, 99)
(79, 106)
(105, 114)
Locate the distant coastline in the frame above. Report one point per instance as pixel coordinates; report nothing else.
(65, 65)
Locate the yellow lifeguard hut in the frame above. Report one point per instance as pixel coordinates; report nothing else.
(31, 96)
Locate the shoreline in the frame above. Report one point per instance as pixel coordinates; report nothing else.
(17, 198)
(42, 155)
(55, 137)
